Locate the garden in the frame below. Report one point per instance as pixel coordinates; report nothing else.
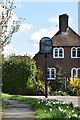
(21, 77)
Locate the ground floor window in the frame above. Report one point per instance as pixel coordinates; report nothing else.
(75, 73)
(51, 73)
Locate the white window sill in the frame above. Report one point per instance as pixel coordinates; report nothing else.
(51, 78)
(58, 57)
(75, 57)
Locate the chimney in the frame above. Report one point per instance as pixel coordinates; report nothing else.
(63, 22)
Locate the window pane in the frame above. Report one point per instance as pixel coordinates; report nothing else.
(56, 52)
(78, 73)
(74, 73)
(48, 73)
(60, 53)
(52, 73)
(73, 52)
(78, 52)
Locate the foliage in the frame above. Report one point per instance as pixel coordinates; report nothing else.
(59, 93)
(73, 87)
(20, 76)
(39, 75)
(16, 72)
(40, 85)
(59, 83)
(0, 106)
(8, 25)
(49, 109)
(35, 87)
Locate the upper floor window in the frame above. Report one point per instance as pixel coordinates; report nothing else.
(51, 73)
(75, 52)
(78, 52)
(58, 52)
(75, 73)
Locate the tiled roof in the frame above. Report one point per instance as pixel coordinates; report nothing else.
(68, 38)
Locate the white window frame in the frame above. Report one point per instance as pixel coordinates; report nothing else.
(77, 51)
(49, 73)
(58, 49)
(50, 78)
(76, 69)
(72, 73)
(76, 48)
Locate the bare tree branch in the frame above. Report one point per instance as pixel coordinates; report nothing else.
(8, 25)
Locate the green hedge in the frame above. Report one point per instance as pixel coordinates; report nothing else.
(16, 73)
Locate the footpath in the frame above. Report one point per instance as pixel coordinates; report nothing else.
(18, 111)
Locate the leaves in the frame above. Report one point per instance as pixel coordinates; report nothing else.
(16, 72)
(74, 86)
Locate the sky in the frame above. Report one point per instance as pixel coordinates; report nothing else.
(41, 20)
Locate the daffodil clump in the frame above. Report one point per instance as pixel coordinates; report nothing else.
(48, 108)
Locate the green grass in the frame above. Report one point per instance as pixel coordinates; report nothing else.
(0, 106)
(48, 109)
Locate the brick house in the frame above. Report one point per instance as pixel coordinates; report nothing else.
(66, 52)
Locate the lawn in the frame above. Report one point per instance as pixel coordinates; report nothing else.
(49, 109)
(0, 105)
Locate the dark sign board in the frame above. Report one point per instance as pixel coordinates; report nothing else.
(46, 45)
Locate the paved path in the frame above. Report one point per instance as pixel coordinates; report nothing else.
(18, 111)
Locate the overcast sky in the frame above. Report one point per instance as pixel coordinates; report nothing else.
(41, 19)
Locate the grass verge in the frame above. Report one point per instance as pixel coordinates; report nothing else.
(47, 109)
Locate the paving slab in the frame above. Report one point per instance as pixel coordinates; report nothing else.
(18, 111)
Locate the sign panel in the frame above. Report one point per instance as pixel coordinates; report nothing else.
(46, 45)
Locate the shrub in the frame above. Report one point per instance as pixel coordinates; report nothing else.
(73, 86)
(59, 93)
(36, 87)
(16, 72)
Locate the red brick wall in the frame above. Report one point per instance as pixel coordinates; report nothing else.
(67, 63)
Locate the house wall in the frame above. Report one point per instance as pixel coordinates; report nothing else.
(67, 63)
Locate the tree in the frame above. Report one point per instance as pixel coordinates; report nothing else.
(8, 26)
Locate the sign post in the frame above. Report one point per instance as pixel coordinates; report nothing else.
(46, 48)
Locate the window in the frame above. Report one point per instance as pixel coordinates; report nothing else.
(75, 52)
(58, 52)
(78, 52)
(78, 72)
(48, 73)
(75, 73)
(51, 73)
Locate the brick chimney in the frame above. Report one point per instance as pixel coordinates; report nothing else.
(63, 22)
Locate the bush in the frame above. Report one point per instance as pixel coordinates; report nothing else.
(36, 87)
(21, 77)
(59, 93)
(73, 86)
(16, 72)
